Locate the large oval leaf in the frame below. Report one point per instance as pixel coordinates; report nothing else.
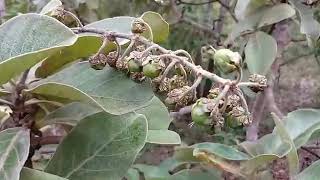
(101, 146)
(109, 89)
(32, 174)
(27, 39)
(14, 151)
(261, 51)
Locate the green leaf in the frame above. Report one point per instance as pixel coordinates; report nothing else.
(292, 156)
(221, 150)
(186, 154)
(262, 17)
(132, 174)
(109, 89)
(159, 27)
(240, 9)
(163, 137)
(261, 51)
(121, 24)
(194, 174)
(69, 114)
(309, 25)
(14, 150)
(52, 5)
(84, 47)
(157, 114)
(27, 39)
(310, 173)
(108, 147)
(302, 124)
(32, 174)
(268, 148)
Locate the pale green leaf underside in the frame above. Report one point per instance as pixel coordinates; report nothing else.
(163, 137)
(261, 51)
(106, 149)
(108, 88)
(32, 174)
(14, 150)
(27, 39)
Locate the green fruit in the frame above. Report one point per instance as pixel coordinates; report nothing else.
(232, 122)
(223, 61)
(198, 114)
(151, 70)
(133, 66)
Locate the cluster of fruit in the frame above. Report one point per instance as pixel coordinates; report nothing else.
(213, 110)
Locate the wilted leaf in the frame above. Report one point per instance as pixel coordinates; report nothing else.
(100, 146)
(159, 27)
(163, 137)
(52, 5)
(32, 174)
(261, 51)
(14, 151)
(27, 39)
(310, 173)
(262, 17)
(108, 89)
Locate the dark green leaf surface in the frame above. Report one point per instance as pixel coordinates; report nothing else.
(261, 51)
(101, 146)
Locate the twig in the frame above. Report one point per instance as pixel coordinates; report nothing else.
(192, 88)
(74, 17)
(48, 140)
(310, 152)
(178, 2)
